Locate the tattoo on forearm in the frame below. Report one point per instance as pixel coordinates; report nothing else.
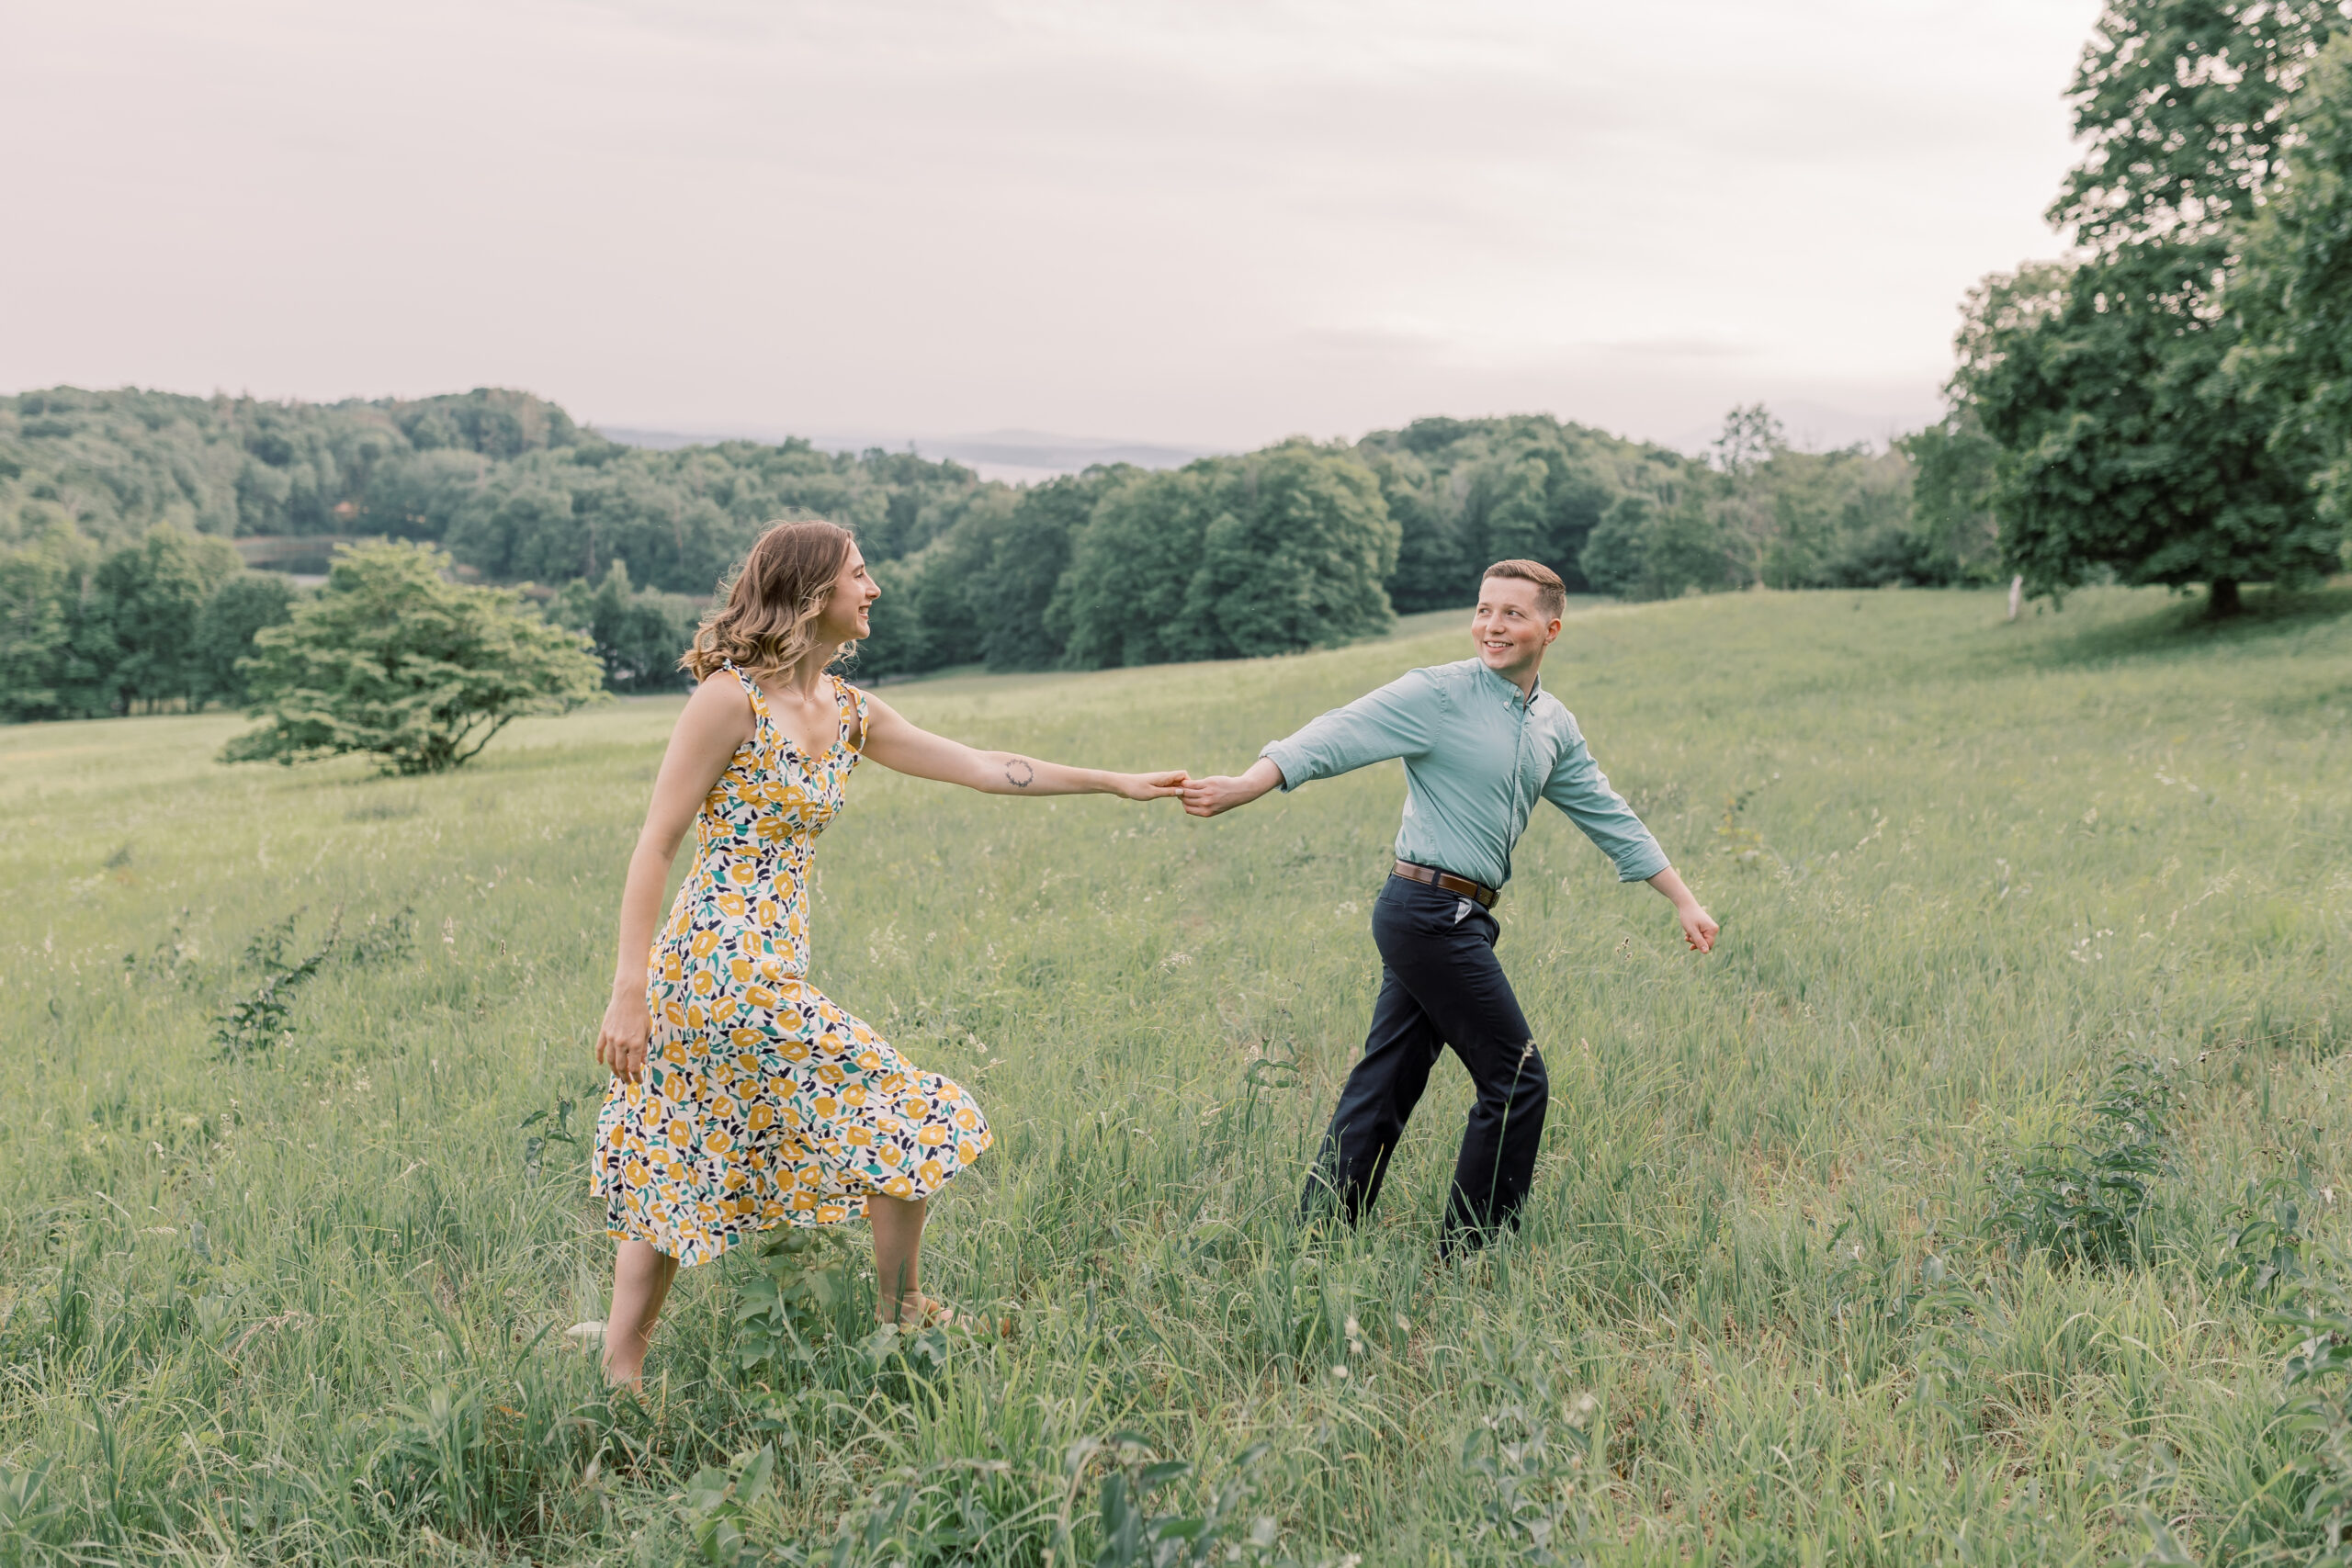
(1019, 773)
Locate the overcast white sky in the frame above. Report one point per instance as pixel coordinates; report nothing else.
(1211, 223)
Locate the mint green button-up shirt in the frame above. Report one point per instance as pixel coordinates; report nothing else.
(1477, 755)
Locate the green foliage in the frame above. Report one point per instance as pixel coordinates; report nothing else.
(238, 610)
(1615, 558)
(42, 674)
(731, 1510)
(1289, 548)
(2294, 291)
(1281, 550)
(2263, 1252)
(146, 601)
(2124, 446)
(1123, 600)
(554, 1129)
(787, 1307)
(1130, 1534)
(1465, 493)
(1027, 550)
(467, 1459)
(2082, 1197)
(1952, 495)
(114, 464)
(158, 622)
(1768, 515)
(27, 1511)
(1294, 557)
(1644, 550)
(504, 479)
(258, 1021)
(1686, 549)
(1533, 1455)
(638, 634)
(955, 1512)
(395, 660)
(2318, 1414)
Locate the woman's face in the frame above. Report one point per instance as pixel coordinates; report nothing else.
(844, 618)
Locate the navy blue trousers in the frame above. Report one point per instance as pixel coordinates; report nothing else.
(1441, 984)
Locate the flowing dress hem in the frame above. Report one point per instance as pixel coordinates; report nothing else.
(698, 1248)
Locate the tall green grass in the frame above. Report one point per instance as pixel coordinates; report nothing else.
(283, 1265)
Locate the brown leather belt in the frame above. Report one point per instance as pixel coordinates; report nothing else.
(1477, 893)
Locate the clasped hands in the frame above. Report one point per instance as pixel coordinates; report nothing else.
(1206, 797)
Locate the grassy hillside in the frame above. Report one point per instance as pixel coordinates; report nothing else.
(296, 1304)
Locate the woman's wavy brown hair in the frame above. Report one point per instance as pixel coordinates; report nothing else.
(769, 619)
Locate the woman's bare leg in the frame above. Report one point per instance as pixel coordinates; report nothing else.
(898, 1257)
(640, 1280)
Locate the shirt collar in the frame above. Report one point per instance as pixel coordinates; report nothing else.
(1504, 687)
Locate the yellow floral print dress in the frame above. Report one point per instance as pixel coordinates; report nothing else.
(762, 1104)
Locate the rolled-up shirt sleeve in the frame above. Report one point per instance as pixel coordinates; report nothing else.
(1579, 787)
(1396, 721)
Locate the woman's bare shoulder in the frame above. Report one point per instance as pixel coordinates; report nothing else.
(718, 703)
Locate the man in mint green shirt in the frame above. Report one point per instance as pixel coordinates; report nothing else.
(1481, 741)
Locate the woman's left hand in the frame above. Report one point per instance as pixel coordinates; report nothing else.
(1147, 786)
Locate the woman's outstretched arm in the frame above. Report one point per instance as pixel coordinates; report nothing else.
(718, 719)
(901, 746)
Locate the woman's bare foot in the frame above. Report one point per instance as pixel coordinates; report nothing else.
(917, 1311)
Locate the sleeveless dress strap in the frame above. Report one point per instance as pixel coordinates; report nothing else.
(751, 689)
(852, 706)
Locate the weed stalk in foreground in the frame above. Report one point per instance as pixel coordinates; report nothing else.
(2081, 1199)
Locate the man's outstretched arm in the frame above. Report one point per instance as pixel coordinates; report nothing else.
(1579, 787)
(1206, 797)
(1395, 721)
(1698, 926)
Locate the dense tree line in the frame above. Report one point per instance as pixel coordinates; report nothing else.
(1270, 552)
(119, 592)
(508, 482)
(111, 464)
(1292, 547)
(2170, 404)
(160, 622)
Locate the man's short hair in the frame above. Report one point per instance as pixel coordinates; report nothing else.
(1551, 593)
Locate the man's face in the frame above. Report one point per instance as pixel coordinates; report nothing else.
(1510, 627)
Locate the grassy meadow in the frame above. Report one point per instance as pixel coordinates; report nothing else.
(283, 1276)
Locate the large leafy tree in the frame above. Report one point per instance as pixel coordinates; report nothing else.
(1615, 558)
(1013, 585)
(226, 627)
(42, 585)
(1951, 494)
(1281, 550)
(87, 633)
(395, 660)
(2121, 443)
(1295, 558)
(147, 601)
(1121, 601)
(637, 635)
(2294, 293)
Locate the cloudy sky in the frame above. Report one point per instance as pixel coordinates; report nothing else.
(1211, 223)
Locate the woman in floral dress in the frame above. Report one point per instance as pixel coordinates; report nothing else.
(743, 1097)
